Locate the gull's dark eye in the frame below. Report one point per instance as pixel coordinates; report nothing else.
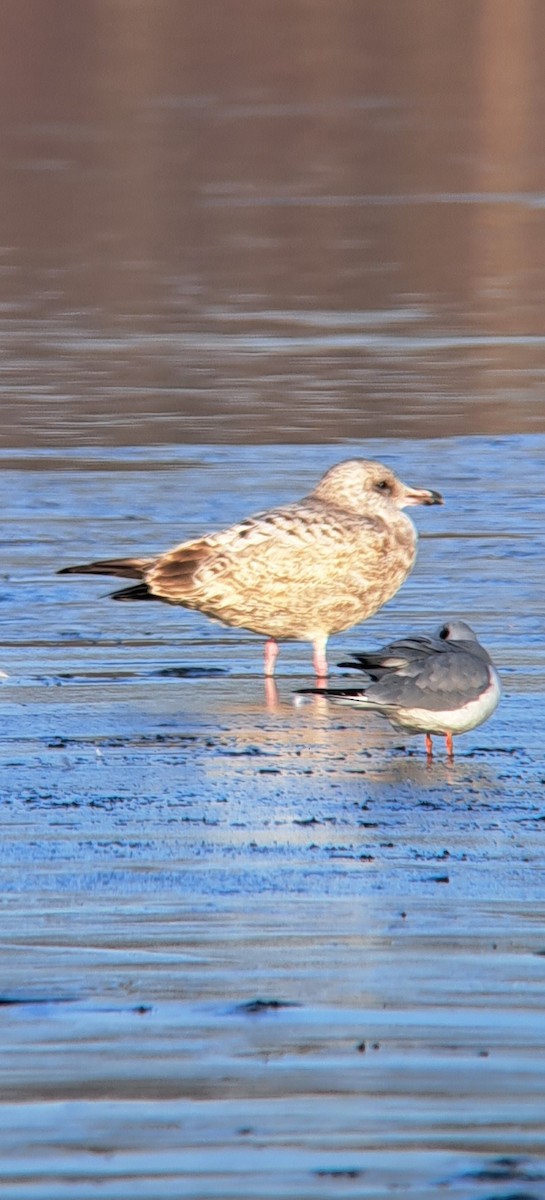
(444, 632)
(383, 486)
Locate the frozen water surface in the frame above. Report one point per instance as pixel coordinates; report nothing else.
(251, 949)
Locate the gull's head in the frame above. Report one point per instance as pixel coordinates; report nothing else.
(359, 484)
(456, 631)
(460, 634)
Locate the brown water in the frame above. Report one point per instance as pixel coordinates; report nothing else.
(253, 950)
(271, 221)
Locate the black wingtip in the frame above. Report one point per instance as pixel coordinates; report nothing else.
(332, 693)
(139, 592)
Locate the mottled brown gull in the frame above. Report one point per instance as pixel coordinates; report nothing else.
(443, 684)
(299, 572)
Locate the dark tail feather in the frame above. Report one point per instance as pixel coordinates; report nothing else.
(140, 592)
(127, 568)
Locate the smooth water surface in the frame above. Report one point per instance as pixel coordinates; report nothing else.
(270, 220)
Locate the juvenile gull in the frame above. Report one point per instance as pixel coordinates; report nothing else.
(301, 571)
(443, 684)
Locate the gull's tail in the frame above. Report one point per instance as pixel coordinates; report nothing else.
(126, 568)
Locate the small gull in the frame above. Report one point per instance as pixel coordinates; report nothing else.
(301, 571)
(444, 684)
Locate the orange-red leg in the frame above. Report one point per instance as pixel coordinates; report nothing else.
(449, 745)
(429, 746)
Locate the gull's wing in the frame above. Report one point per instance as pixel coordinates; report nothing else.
(437, 682)
(295, 543)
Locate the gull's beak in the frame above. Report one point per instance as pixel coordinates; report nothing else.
(422, 496)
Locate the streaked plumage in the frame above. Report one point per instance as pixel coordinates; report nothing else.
(443, 684)
(301, 571)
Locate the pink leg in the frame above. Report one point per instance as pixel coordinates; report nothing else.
(271, 694)
(429, 746)
(271, 655)
(449, 745)
(319, 659)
